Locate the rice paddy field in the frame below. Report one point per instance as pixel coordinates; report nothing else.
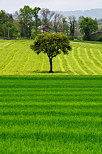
(42, 113)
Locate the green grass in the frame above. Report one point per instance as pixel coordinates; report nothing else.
(59, 113)
(16, 58)
(51, 114)
(92, 42)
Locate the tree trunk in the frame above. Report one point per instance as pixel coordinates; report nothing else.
(50, 60)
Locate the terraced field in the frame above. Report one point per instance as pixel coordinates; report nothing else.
(16, 58)
(51, 115)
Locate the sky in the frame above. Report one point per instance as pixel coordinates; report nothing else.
(11, 6)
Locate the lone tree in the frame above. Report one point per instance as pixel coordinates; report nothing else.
(87, 27)
(51, 44)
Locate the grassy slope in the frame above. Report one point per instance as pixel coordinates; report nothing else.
(51, 114)
(16, 58)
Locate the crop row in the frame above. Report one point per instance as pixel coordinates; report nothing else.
(50, 114)
(16, 57)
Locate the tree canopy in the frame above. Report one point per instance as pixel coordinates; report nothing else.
(52, 44)
(87, 27)
(8, 27)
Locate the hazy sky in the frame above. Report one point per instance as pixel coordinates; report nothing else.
(14, 5)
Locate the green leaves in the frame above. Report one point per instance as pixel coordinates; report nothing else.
(29, 21)
(87, 27)
(51, 43)
(8, 27)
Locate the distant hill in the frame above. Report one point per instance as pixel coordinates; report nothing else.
(93, 13)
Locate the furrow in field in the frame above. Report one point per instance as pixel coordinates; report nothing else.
(56, 66)
(9, 55)
(38, 63)
(44, 109)
(100, 53)
(16, 59)
(11, 60)
(88, 69)
(73, 62)
(1, 52)
(6, 56)
(42, 63)
(99, 63)
(6, 45)
(5, 49)
(77, 63)
(15, 68)
(47, 65)
(22, 60)
(60, 64)
(35, 63)
(69, 66)
(97, 70)
(26, 63)
(89, 62)
(30, 63)
(78, 55)
(8, 66)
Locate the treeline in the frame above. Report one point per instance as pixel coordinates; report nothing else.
(29, 22)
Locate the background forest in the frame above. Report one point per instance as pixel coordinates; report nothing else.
(28, 22)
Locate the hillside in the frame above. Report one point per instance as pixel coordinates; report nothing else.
(93, 13)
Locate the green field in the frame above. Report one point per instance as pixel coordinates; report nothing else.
(51, 114)
(42, 113)
(16, 58)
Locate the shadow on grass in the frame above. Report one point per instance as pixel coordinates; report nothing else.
(37, 71)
